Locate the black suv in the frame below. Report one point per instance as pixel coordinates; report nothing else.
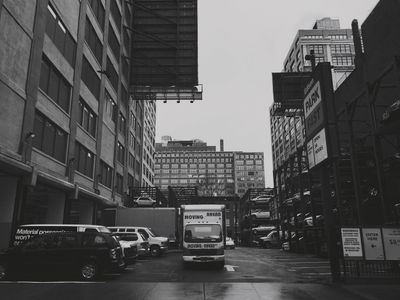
(87, 254)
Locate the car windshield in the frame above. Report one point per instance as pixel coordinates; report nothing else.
(203, 233)
(152, 232)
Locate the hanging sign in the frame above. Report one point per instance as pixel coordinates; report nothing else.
(373, 245)
(391, 240)
(351, 242)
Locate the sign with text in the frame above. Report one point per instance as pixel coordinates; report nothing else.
(351, 242)
(373, 246)
(391, 240)
(317, 149)
(314, 121)
(312, 99)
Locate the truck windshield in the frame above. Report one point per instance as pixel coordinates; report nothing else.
(203, 233)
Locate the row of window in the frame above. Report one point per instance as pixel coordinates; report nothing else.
(58, 33)
(93, 41)
(194, 160)
(193, 171)
(341, 48)
(193, 166)
(342, 60)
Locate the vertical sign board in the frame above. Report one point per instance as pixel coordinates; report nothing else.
(351, 242)
(313, 112)
(317, 149)
(391, 240)
(373, 246)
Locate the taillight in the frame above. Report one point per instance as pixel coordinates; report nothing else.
(113, 254)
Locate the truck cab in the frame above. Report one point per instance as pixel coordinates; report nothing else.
(203, 228)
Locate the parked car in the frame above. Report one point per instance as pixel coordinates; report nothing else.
(144, 201)
(133, 239)
(229, 243)
(260, 199)
(86, 254)
(271, 240)
(158, 245)
(129, 249)
(260, 214)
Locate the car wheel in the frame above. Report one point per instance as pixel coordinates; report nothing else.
(220, 264)
(154, 205)
(154, 251)
(3, 272)
(267, 245)
(89, 271)
(135, 204)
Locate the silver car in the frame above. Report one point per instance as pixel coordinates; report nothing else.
(144, 201)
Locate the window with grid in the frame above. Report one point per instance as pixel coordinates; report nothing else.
(87, 118)
(342, 60)
(98, 11)
(93, 41)
(131, 161)
(84, 160)
(341, 48)
(57, 32)
(49, 138)
(54, 84)
(90, 78)
(105, 174)
(318, 49)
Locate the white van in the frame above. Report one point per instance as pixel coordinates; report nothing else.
(26, 232)
(158, 245)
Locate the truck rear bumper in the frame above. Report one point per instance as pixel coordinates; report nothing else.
(204, 258)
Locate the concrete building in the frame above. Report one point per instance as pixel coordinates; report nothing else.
(330, 44)
(77, 117)
(149, 144)
(214, 173)
(70, 138)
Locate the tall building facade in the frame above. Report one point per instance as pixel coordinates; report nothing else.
(149, 144)
(214, 173)
(76, 120)
(330, 44)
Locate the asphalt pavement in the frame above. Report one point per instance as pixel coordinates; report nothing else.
(249, 273)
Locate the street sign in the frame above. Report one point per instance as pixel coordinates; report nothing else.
(391, 240)
(312, 99)
(317, 149)
(351, 242)
(373, 245)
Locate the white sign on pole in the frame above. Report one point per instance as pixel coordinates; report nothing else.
(351, 242)
(312, 99)
(373, 246)
(391, 240)
(320, 147)
(310, 153)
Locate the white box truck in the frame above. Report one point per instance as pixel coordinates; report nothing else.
(203, 228)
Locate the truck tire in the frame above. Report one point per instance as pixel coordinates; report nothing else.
(155, 251)
(220, 264)
(267, 245)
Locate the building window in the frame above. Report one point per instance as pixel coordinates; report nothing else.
(54, 84)
(122, 124)
(112, 74)
(93, 41)
(318, 49)
(105, 174)
(120, 153)
(342, 60)
(111, 107)
(84, 160)
(49, 138)
(58, 33)
(90, 78)
(131, 161)
(124, 96)
(87, 118)
(115, 13)
(113, 42)
(337, 36)
(340, 48)
(98, 11)
(119, 184)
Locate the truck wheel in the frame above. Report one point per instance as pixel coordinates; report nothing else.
(220, 264)
(155, 251)
(267, 245)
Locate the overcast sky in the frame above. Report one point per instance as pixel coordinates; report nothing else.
(241, 42)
